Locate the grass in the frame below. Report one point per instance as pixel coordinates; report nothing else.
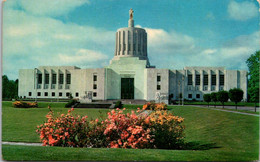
(244, 111)
(212, 136)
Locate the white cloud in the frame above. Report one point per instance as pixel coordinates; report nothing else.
(31, 41)
(83, 56)
(163, 42)
(209, 51)
(242, 11)
(46, 7)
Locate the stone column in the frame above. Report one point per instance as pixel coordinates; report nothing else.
(194, 79)
(209, 79)
(217, 80)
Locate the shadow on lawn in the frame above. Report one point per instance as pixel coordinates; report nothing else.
(196, 145)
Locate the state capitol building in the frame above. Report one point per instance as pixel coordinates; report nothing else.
(128, 76)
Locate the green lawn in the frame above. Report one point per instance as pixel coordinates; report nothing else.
(212, 136)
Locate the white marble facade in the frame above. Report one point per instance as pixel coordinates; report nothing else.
(128, 76)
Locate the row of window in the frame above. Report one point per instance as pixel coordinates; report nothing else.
(190, 96)
(61, 78)
(206, 79)
(60, 94)
(54, 79)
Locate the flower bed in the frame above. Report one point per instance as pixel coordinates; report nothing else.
(159, 129)
(21, 104)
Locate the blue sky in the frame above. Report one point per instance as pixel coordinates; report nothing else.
(82, 32)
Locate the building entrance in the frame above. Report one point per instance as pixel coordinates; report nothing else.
(127, 88)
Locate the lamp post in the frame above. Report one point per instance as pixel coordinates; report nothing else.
(179, 92)
(183, 90)
(36, 80)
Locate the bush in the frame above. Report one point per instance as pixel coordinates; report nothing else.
(68, 130)
(70, 103)
(21, 104)
(155, 106)
(118, 104)
(167, 130)
(160, 129)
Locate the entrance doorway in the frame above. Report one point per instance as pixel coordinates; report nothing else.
(127, 88)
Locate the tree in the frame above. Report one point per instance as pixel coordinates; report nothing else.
(207, 98)
(213, 97)
(222, 97)
(253, 74)
(9, 88)
(236, 95)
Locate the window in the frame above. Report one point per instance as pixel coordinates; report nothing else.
(54, 78)
(77, 94)
(205, 79)
(30, 94)
(139, 47)
(94, 94)
(53, 94)
(213, 88)
(158, 87)
(60, 94)
(190, 96)
(197, 95)
(190, 79)
(213, 80)
(94, 78)
(67, 94)
(134, 47)
(205, 88)
(221, 88)
(61, 79)
(221, 80)
(39, 94)
(46, 79)
(46, 94)
(197, 79)
(68, 79)
(158, 78)
(197, 88)
(94, 86)
(39, 78)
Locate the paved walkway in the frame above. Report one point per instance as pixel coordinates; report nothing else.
(22, 143)
(212, 108)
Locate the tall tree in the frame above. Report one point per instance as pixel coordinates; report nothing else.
(253, 74)
(9, 88)
(236, 95)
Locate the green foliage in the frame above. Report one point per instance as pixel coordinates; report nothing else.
(222, 97)
(253, 82)
(118, 104)
(9, 88)
(207, 98)
(213, 97)
(70, 103)
(236, 95)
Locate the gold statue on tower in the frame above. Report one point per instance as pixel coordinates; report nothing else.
(131, 13)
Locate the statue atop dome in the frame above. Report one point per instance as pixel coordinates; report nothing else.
(131, 14)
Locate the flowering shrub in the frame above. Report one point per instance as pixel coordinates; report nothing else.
(138, 129)
(21, 104)
(69, 130)
(167, 130)
(128, 130)
(154, 106)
